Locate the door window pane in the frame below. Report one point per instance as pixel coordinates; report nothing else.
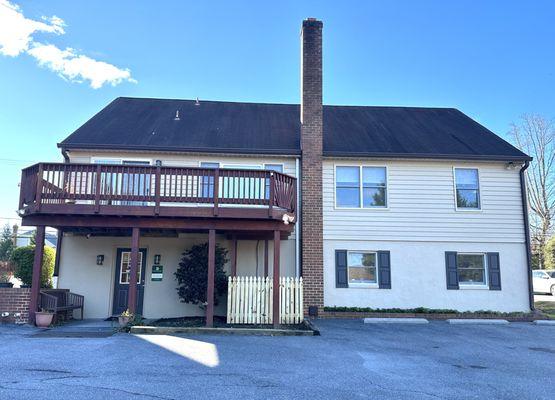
(361, 268)
(125, 267)
(347, 190)
(207, 182)
(471, 269)
(467, 188)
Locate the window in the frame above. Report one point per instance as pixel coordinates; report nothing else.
(471, 269)
(361, 268)
(125, 267)
(373, 186)
(349, 193)
(347, 186)
(274, 167)
(467, 188)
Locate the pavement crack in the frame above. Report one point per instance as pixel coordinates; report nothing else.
(404, 390)
(152, 396)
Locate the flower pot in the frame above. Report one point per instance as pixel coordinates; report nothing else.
(123, 321)
(6, 284)
(43, 319)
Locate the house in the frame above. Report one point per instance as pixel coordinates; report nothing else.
(24, 237)
(382, 207)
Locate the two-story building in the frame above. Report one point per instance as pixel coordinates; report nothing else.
(381, 207)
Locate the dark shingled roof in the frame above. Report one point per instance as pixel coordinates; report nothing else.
(256, 128)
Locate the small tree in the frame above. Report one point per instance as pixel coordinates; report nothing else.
(6, 243)
(535, 135)
(192, 276)
(22, 259)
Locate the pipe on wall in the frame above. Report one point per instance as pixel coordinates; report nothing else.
(524, 197)
(298, 224)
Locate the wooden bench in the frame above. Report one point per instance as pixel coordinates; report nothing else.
(58, 300)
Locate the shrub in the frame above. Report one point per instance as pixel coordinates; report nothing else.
(192, 275)
(22, 259)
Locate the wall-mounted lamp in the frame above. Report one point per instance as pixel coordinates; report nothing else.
(157, 259)
(100, 259)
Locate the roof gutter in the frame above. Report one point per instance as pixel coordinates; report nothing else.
(65, 155)
(174, 149)
(427, 156)
(524, 196)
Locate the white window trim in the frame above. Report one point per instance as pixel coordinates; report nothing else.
(478, 286)
(361, 285)
(139, 277)
(361, 184)
(98, 160)
(466, 209)
(275, 163)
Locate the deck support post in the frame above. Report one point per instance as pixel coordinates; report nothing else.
(277, 239)
(234, 255)
(211, 270)
(133, 271)
(37, 269)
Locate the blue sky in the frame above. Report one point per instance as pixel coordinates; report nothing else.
(494, 60)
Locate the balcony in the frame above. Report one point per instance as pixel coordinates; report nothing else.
(49, 189)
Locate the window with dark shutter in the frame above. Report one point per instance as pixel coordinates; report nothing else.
(341, 280)
(451, 272)
(384, 270)
(494, 271)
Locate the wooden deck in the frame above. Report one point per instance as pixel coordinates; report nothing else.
(55, 189)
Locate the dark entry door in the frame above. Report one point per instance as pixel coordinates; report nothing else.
(121, 281)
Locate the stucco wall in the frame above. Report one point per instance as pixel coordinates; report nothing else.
(79, 272)
(418, 277)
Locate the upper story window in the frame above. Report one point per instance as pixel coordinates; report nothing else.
(467, 188)
(357, 186)
(274, 167)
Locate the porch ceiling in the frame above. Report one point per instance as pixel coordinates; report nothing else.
(159, 227)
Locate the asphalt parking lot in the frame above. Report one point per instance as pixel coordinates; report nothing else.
(350, 360)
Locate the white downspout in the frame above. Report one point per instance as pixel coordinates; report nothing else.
(298, 224)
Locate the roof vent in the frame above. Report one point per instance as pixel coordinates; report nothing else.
(197, 103)
(176, 118)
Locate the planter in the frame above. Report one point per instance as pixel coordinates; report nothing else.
(43, 319)
(123, 321)
(6, 285)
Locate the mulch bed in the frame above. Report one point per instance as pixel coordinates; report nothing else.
(219, 322)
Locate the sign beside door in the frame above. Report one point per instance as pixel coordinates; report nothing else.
(157, 272)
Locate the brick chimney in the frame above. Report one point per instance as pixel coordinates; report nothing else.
(311, 164)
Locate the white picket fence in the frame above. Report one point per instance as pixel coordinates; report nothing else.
(250, 300)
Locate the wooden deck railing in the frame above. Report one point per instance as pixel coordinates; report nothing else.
(155, 186)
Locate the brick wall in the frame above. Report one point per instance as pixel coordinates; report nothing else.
(311, 163)
(13, 301)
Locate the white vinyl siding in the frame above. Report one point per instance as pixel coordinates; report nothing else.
(421, 205)
(187, 160)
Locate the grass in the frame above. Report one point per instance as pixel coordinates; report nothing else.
(547, 307)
